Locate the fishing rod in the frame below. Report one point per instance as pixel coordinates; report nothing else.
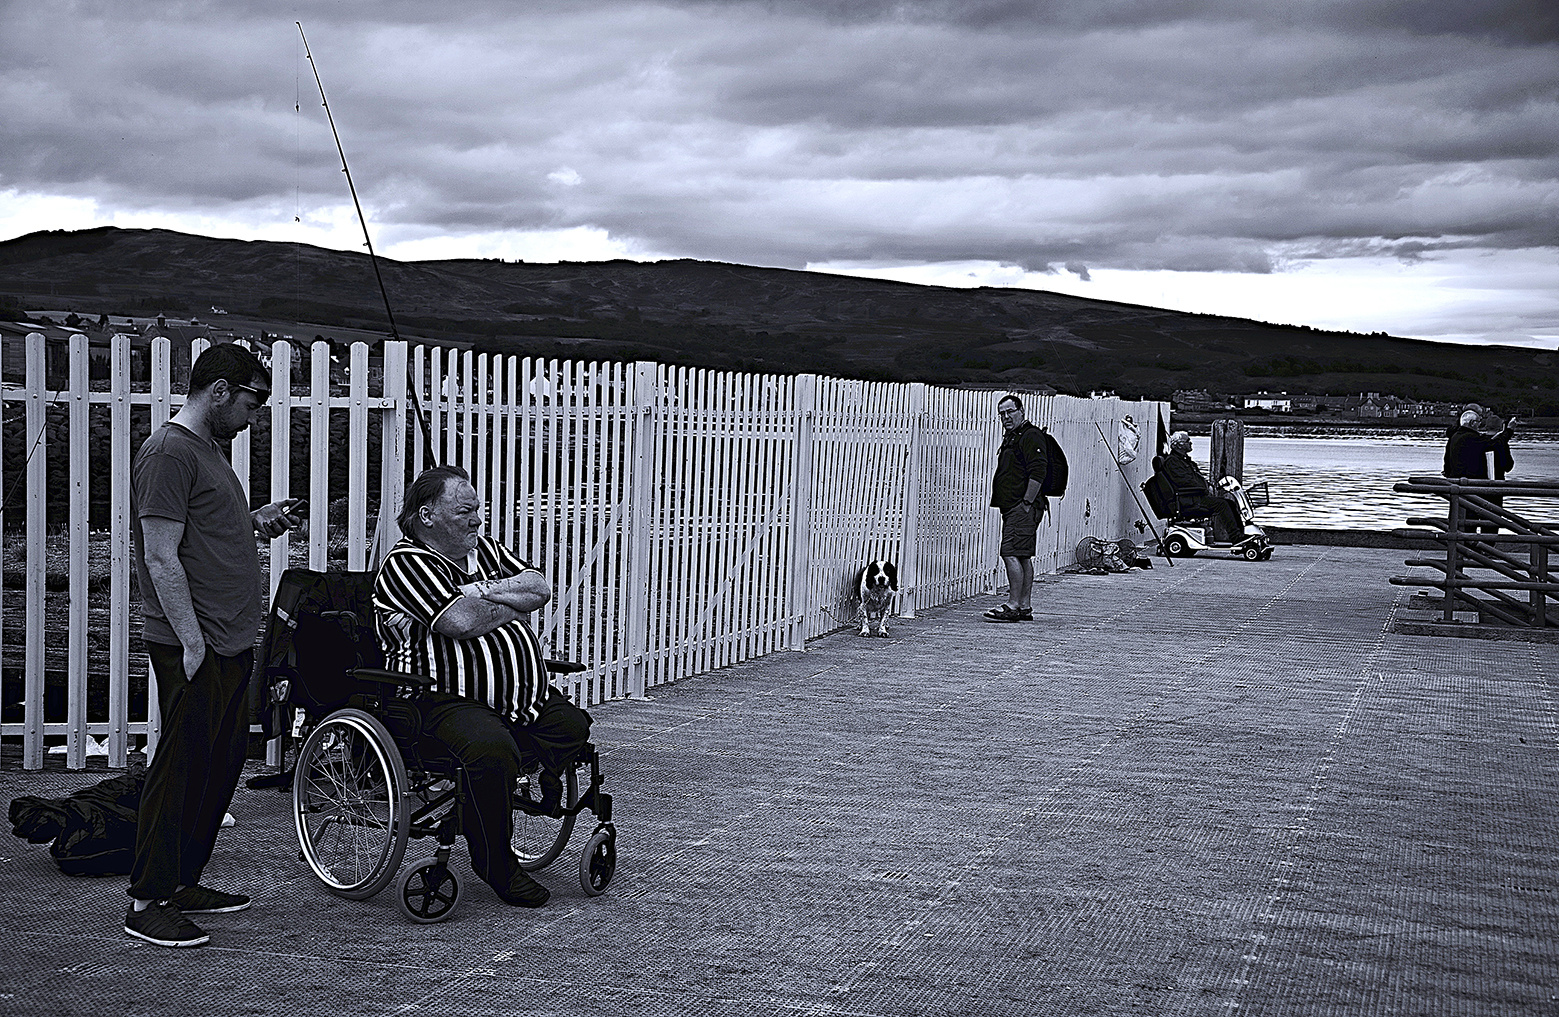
(1145, 513)
(389, 313)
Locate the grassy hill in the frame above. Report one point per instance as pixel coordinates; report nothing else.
(741, 317)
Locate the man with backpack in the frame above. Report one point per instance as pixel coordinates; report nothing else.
(1023, 473)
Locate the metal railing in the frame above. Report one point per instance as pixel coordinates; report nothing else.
(1496, 560)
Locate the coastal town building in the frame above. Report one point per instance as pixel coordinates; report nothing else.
(1362, 406)
(1272, 402)
(1199, 400)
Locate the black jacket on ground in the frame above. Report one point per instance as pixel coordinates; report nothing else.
(93, 830)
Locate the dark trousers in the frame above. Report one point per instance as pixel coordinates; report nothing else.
(1224, 513)
(194, 771)
(490, 749)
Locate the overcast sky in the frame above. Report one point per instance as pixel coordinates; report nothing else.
(1371, 165)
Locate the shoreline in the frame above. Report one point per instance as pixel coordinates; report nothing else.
(1201, 423)
(1348, 538)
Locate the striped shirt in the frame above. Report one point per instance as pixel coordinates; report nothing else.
(416, 585)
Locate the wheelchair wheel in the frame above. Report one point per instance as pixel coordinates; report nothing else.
(427, 892)
(1176, 547)
(538, 840)
(348, 804)
(598, 862)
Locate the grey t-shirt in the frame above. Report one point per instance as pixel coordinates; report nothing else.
(181, 476)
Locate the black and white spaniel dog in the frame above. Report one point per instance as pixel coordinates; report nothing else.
(879, 584)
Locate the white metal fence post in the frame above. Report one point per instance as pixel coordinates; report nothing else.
(357, 460)
(119, 554)
(281, 450)
(392, 450)
(641, 508)
(319, 455)
(909, 555)
(799, 599)
(76, 625)
(37, 454)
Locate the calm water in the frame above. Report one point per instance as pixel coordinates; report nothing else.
(1343, 481)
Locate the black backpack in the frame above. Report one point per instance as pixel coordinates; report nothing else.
(1054, 485)
(318, 632)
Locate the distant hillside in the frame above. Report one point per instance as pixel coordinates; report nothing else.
(739, 317)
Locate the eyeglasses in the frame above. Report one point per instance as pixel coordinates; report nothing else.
(261, 396)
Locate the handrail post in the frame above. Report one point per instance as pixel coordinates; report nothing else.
(1453, 557)
(1539, 558)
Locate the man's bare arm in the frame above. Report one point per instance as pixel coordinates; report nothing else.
(160, 540)
(488, 604)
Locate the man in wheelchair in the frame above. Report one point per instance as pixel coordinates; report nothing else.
(1193, 490)
(450, 602)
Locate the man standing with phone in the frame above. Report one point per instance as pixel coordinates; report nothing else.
(199, 575)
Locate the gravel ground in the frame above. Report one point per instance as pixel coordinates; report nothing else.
(1212, 789)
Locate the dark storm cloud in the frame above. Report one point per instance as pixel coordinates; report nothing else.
(1219, 135)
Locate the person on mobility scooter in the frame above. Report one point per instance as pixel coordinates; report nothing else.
(1180, 493)
(450, 602)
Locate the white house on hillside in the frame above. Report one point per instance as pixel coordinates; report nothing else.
(1275, 402)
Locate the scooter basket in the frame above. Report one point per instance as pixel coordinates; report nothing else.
(1257, 494)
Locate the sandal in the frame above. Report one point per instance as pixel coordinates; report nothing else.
(1005, 613)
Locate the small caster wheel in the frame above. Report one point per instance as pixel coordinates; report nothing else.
(1252, 553)
(598, 862)
(427, 892)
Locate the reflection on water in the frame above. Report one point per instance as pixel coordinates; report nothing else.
(1343, 481)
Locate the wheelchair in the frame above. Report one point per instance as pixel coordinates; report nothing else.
(1188, 528)
(366, 781)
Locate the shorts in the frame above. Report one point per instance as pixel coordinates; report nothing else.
(1019, 526)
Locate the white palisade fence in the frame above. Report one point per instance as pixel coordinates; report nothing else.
(687, 519)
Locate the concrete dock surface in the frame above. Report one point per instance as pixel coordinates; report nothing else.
(1217, 788)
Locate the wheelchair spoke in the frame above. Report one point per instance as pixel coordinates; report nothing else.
(348, 794)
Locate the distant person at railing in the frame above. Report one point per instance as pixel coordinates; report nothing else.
(199, 574)
(1471, 454)
(450, 602)
(1467, 449)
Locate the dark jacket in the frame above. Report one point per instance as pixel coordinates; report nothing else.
(1183, 473)
(1021, 457)
(93, 829)
(1465, 450)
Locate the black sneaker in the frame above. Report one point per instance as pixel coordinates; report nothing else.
(202, 900)
(523, 891)
(164, 925)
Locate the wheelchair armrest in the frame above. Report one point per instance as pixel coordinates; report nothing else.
(564, 666)
(403, 679)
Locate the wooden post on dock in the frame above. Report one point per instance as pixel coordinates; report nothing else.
(1228, 451)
